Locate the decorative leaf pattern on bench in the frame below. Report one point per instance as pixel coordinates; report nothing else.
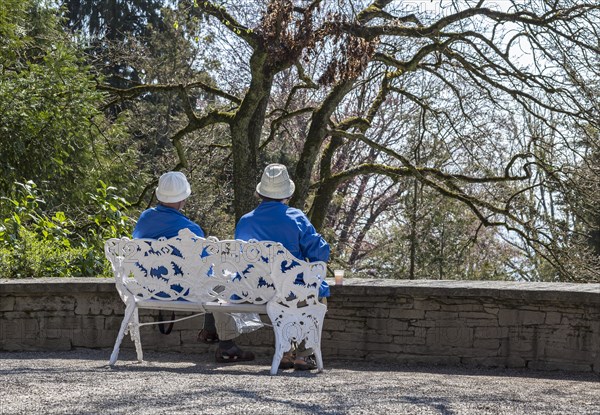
(196, 269)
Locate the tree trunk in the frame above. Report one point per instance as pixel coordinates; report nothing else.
(413, 231)
(316, 134)
(246, 129)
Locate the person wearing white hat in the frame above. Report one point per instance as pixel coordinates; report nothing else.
(166, 220)
(274, 220)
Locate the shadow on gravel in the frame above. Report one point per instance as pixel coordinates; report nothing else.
(204, 364)
(461, 370)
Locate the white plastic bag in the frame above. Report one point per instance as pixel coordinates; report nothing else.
(247, 322)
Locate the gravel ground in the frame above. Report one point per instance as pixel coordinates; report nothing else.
(80, 382)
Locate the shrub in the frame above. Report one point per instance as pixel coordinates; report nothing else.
(36, 243)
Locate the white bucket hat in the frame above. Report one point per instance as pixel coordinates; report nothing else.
(172, 187)
(275, 183)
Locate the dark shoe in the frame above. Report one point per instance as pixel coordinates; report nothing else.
(232, 355)
(208, 337)
(287, 361)
(305, 363)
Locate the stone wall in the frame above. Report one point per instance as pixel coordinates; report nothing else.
(548, 326)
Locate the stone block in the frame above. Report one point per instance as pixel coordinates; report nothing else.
(581, 339)
(527, 317)
(374, 312)
(488, 344)
(16, 315)
(91, 304)
(528, 308)
(518, 347)
(113, 323)
(409, 337)
(45, 303)
(30, 329)
(380, 338)
(93, 338)
(472, 352)
(440, 315)
(404, 314)
(553, 318)
(356, 325)
(52, 322)
(395, 326)
(10, 330)
(449, 336)
(514, 362)
(60, 344)
(54, 334)
(420, 304)
(473, 315)
(194, 323)
(344, 350)
(491, 332)
(347, 315)
(424, 323)
(555, 352)
(455, 322)
(379, 324)
(508, 317)
(463, 307)
(383, 347)
(334, 325)
(491, 310)
(73, 322)
(483, 322)
(7, 303)
(356, 339)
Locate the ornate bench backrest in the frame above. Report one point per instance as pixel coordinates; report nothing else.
(187, 267)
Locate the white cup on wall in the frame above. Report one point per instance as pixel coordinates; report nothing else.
(339, 276)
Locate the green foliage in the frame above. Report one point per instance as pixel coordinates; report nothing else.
(49, 121)
(31, 257)
(35, 243)
(106, 216)
(58, 151)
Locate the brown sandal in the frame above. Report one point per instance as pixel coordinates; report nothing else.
(232, 355)
(287, 361)
(305, 363)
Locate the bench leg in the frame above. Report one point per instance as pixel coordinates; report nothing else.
(319, 317)
(135, 335)
(296, 324)
(317, 349)
(129, 310)
(279, 349)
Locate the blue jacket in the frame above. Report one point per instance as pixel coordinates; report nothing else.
(163, 221)
(275, 221)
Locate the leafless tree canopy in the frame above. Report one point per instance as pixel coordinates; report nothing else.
(484, 103)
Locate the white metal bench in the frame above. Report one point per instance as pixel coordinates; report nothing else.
(193, 274)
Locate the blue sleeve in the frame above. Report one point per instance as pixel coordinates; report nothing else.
(315, 248)
(312, 244)
(324, 290)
